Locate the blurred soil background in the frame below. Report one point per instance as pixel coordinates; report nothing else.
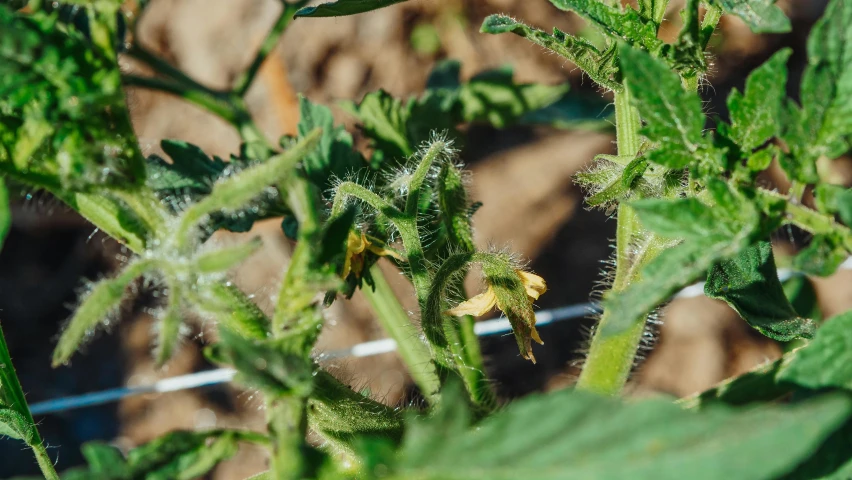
(522, 175)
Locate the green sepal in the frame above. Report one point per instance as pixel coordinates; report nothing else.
(17, 426)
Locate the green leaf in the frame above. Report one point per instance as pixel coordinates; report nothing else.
(15, 425)
(335, 157)
(384, 119)
(762, 16)
(824, 123)
(192, 174)
(713, 233)
(601, 67)
(190, 171)
(827, 360)
(181, 455)
(342, 8)
(493, 97)
(576, 435)
(673, 117)
(835, 199)
(822, 257)
(628, 24)
(754, 115)
(758, 385)
(105, 461)
(749, 284)
(63, 118)
(800, 291)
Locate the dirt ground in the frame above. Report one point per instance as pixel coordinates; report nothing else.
(523, 176)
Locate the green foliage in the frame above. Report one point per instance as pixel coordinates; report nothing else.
(755, 114)
(673, 116)
(398, 128)
(762, 16)
(749, 284)
(63, 120)
(627, 25)
(600, 66)
(821, 126)
(584, 436)
(688, 207)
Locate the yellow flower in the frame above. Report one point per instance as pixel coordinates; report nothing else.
(519, 311)
(356, 246)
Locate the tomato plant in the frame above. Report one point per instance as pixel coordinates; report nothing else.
(687, 202)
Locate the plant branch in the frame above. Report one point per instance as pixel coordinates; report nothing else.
(611, 357)
(269, 43)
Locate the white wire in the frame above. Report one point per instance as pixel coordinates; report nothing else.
(366, 349)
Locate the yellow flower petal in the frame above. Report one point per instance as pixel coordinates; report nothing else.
(476, 306)
(355, 245)
(384, 252)
(533, 284)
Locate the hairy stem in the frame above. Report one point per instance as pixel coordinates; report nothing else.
(397, 324)
(611, 357)
(288, 424)
(14, 397)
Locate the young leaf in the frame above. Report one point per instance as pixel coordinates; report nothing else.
(827, 361)
(600, 67)
(755, 114)
(749, 284)
(384, 119)
(673, 116)
(824, 123)
(762, 16)
(575, 435)
(342, 8)
(335, 156)
(628, 25)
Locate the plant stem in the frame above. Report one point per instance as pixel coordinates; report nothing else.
(397, 324)
(287, 421)
(11, 391)
(272, 38)
(611, 357)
